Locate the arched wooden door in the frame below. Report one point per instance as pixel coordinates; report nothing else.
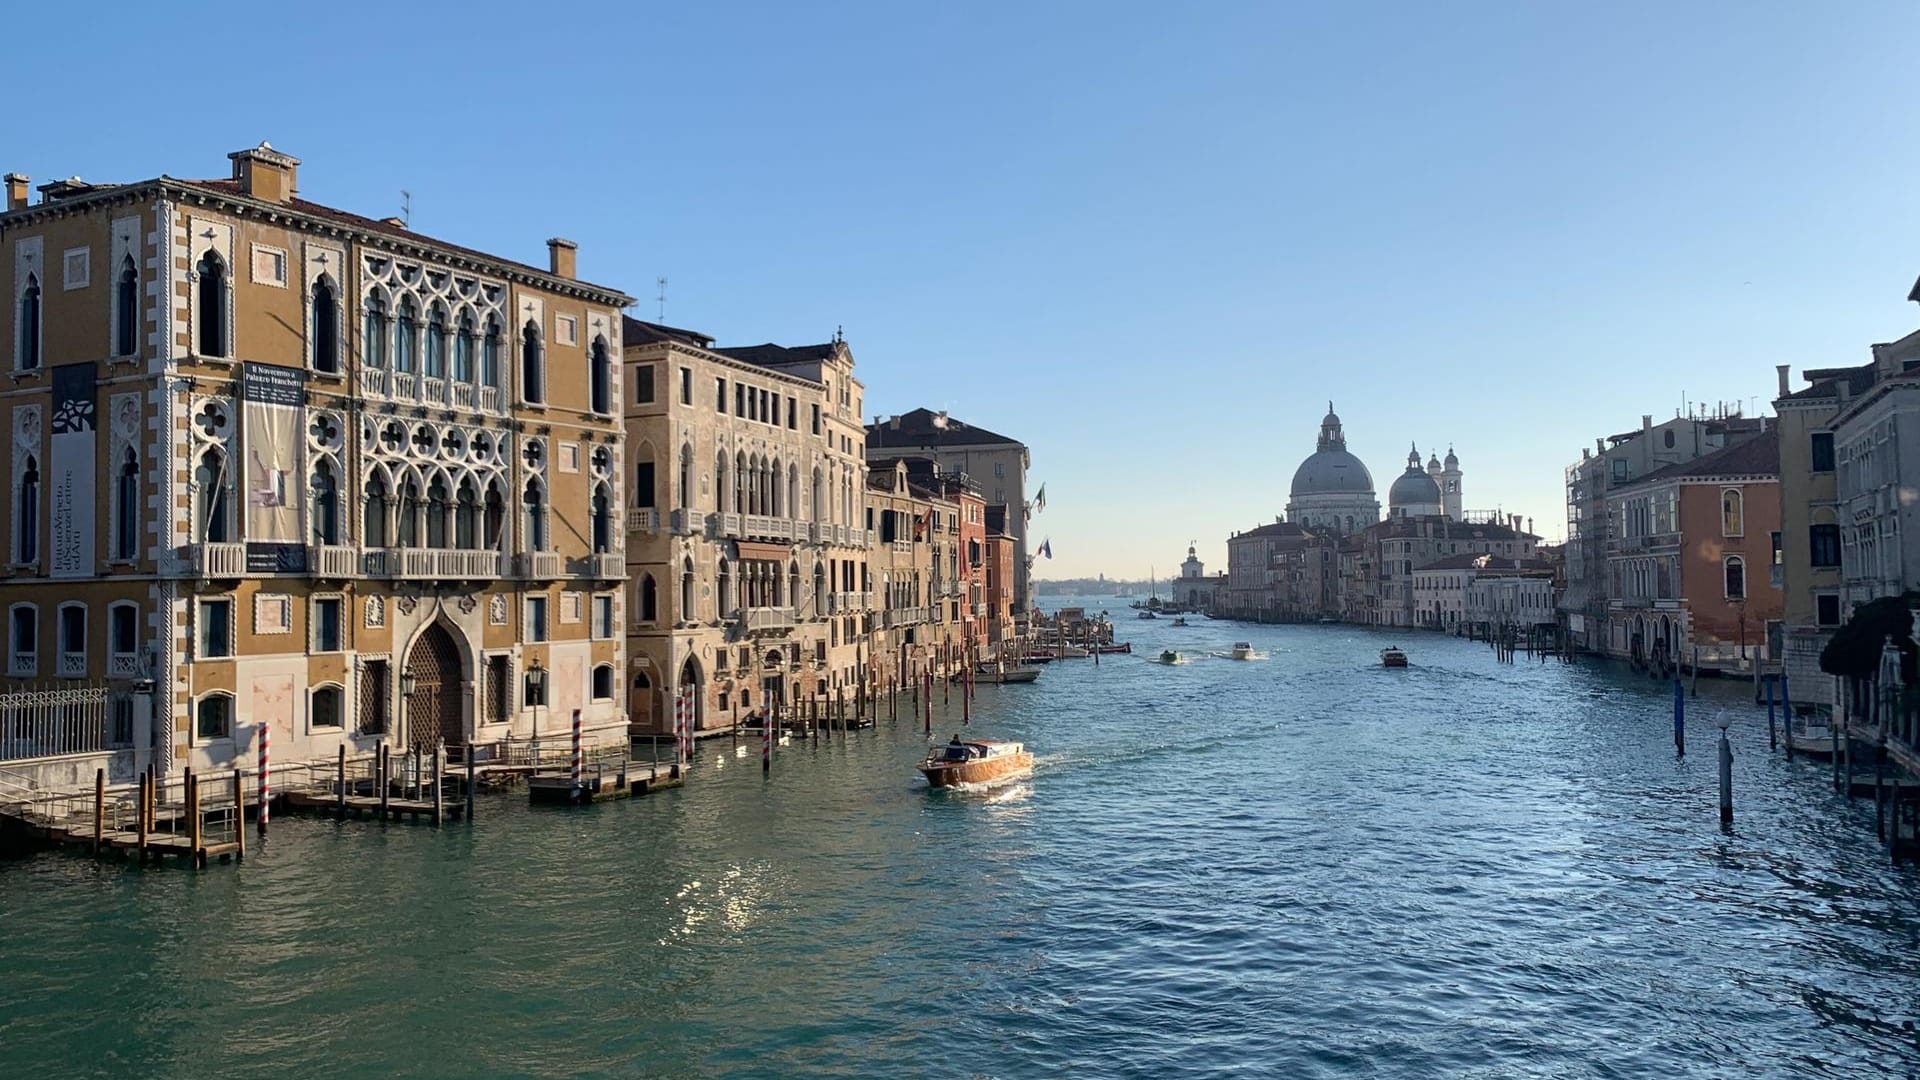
(434, 710)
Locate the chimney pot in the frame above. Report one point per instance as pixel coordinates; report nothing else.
(16, 190)
(1646, 421)
(560, 257)
(265, 173)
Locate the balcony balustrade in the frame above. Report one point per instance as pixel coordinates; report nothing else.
(432, 564)
(333, 561)
(688, 522)
(644, 519)
(725, 525)
(537, 565)
(373, 382)
(769, 618)
(405, 386)
(607, 566)
(218, 560)
(763, 527)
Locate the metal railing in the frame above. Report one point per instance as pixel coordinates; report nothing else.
(53, 723)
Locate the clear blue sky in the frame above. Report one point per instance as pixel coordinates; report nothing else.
(1150, 242)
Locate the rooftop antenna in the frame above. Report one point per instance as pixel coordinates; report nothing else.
(406, 208)
(662, 282)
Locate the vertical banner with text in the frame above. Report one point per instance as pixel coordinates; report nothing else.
(272, 417)
(71, 480)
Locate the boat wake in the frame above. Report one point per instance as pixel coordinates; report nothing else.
(1230, 656)
(998, 789)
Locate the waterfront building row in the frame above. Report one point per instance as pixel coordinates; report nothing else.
(274, 463)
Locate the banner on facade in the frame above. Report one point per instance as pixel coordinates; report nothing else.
(273, 414)
(70, 480)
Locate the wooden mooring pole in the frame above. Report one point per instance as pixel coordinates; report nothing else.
(99, 810)
(141, 814)
(239, 817)
(471, 774)
(340, 784)
(385, 763)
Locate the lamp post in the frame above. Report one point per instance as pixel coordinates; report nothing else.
(537, 684)
(409, 682)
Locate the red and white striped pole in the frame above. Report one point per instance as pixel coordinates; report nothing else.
(266, 778)
(579, 761)
(766, 743)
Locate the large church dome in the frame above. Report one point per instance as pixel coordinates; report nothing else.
(1330, 470)
(1332, 490)
(1414, 493)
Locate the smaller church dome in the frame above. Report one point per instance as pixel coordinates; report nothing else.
(1414, 492)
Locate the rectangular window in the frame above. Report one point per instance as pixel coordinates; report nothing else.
(373, 698)
(216, 628)
(720, 396)
(816, 419)
(1826, 609)
(686, 386)
(73, 629)
(643, 384)
(1823, 545)
(499, 703)
(793, 415)
(76, 273)
(269, 266)
(536, 618)
(1820, 444)
(326, 624)
(603, 616)
(739, 400)
(326, 708)
(1619, 470)
(566, 330)
(123, 629)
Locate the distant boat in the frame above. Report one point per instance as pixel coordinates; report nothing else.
(1392, 657)
(991, 673)
(1168, 656)
(1243, 650)
(1109, 650)
(1328, 620)
(1179, 620)
(1811, 736)
(1148, 615)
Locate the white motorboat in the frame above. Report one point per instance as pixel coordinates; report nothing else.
(1810, 736)
(1243, 650)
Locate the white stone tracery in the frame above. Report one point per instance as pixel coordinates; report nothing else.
(467, 303)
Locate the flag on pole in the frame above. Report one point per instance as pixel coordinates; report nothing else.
(1040, 498)
(1046, 547)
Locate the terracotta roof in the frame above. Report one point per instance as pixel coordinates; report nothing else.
(637, 331)
(1278, 528)
(1826, 383)
(231, 188)
(771, 355)
(924, 427)
(1758, 456)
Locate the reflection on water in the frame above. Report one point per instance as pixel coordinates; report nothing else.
(1304, 867)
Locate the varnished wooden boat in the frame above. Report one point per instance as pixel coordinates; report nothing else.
(974, 761)
(1392, 657)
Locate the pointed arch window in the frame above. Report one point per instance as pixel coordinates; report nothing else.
(686, 591)
(534, 508)
(126, 506)
(126, 309)
(495, 521)
(466, 517)
(685, 495)
(726, 603)
(463, 349)
(438, 503)
(643, 493)
(649, 599)
(326, 504)
(211, 510)
(374, 528)
(326, 326)
(600, 378)
(373, 343)
(532, 364)
(405, 325)
(793, 584)
(437, 343)
(212, 289)
(490, 355)
(602, 519)
(26, 522)
(720, 482)
(406, 523)
(28, 350)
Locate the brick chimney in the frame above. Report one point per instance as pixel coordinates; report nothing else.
(560, 257)
(16, 190)
(265, 173)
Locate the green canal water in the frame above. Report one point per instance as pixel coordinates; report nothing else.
(1300, 866)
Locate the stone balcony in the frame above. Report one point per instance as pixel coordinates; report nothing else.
(537, 565)
(688, 522)
(220, 560)
(763, 527)
(607, 566)
(769, 618)
(335, 561)
(643, 519)
(432, 564)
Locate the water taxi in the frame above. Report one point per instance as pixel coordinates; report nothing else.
(1110, 650)
(1168, 656)
(974, 761)
(1179, 620)
(1243, 650)
(1391, 656)
(1148, 614)
(993, 673)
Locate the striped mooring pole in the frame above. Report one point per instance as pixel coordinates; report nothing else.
(578, 760)
(266, 781)
(766, 744)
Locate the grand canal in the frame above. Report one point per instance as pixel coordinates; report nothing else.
(1302, 866)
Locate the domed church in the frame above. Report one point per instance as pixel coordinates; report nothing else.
(1332, 490)
(1416, 493)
